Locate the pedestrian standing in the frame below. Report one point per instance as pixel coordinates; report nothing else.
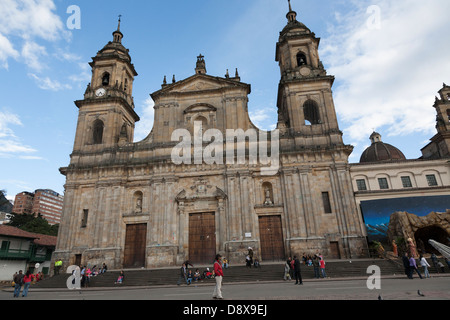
(26, 283)
(218, 272)
(322, 267)
(316, 265)
(406, 265)
(297, 271)
(58, 266)
(18, 281)
(183, 275)
(425, 265)
(413, 266)
(287, 267)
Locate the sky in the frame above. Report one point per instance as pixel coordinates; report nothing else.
(390, 58)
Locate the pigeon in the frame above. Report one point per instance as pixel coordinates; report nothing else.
(420, 293)
(379, 297)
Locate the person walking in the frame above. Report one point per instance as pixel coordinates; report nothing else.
(297, 271)
(322, 267)
(406, 265)
(413, 266)
(18, 281)
(26, 283)
(435, 261)
(425, 265)
(218, 271)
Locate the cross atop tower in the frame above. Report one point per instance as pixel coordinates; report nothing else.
(117, 34)
(201, 65)
(292, 15)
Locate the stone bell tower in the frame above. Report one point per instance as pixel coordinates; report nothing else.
(321, 214)
(106, 114)
(439, 147)
(305, 102)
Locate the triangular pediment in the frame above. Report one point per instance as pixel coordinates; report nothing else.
(199, 83)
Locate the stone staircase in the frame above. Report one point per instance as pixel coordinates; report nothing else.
(240, 273)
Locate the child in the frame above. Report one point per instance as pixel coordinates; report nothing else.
(120, 278)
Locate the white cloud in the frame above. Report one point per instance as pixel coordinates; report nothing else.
(145, 125)
(10, 144)
(31, 18)
(388, 77)
(45, 83)
(263, 118)
(22, 23)
(31, 53)
(6, 51)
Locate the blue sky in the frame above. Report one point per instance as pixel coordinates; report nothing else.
(389, 64)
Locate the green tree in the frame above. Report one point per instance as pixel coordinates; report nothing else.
(30, 223)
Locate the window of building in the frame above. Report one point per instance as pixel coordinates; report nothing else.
(5, 245)
(301, 59)
(98, 132)
(383, 183)
(406, 181)
(85, 218)
(431, 179)
(105, 79)
(361, 184)
(311, 112)
(326, 202)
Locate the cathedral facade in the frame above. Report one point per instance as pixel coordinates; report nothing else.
(131, 205)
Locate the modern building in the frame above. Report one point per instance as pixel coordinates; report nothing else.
(45, 202)
(157, 202)
(49, 204)
(23, 203)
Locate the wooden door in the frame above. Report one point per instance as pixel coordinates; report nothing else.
(271, 238)
(202, 238)
(135, 242)
(334, 250)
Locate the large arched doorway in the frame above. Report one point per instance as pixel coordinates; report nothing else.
(435, 233)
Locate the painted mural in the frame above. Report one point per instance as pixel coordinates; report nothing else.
(377, 213)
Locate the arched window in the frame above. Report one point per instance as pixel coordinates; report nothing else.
(98, 132)
(105, 79)
(311, 112)
(301, 59)
(448, 114)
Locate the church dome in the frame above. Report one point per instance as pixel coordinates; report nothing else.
(380, 151)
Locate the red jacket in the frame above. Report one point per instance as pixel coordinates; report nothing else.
(218, 269)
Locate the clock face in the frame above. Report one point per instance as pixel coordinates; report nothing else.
(100, 92)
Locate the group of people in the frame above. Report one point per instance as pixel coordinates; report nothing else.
(249, 261)
(412, 266)
(292, 268)
(20, 279)
(86, 273)
(187, 276)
